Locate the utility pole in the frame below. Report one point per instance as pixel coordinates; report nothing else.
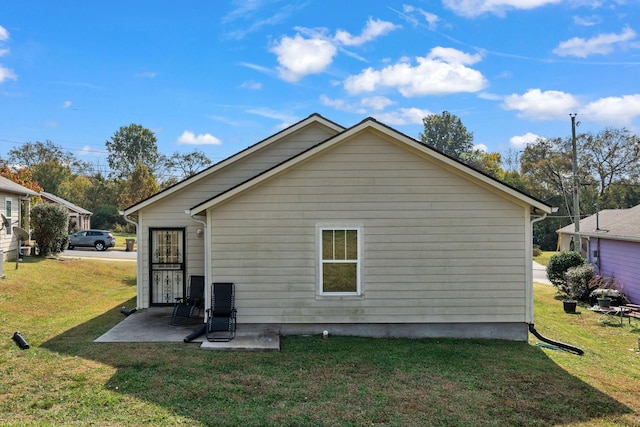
(576, 202)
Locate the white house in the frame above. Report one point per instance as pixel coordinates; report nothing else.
(16, 199)
(359, 231)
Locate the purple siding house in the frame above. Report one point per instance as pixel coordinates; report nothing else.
(610, 240)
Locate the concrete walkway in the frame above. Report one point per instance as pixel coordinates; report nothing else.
(540, 273)
(154, 325)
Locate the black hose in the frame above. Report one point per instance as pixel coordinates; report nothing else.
(567, 347)
(22, 343)
(126, 312)
(195, 334)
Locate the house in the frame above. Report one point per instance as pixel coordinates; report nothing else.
(610, 240)
(79, 218)
(16, 210)
(358, 231)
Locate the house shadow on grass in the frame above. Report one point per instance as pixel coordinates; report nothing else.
(345, 380)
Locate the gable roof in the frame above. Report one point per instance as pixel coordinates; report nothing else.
(314, 118)
(370, 124)
(615, 224)
(8, 186)
(65, 203)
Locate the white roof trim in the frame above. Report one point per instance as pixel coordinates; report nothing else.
(370, 124)
(313, 118)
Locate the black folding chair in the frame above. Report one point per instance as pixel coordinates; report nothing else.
(187, 310)
(221, 321)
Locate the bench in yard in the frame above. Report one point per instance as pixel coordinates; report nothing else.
(631, 310)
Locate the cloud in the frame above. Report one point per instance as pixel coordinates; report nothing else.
(443, 71)
(66, 104)
(189, 138)
(376, 102)
(481, 147)
(599, 45)
(299, 57)
(587, 21)
(403, 116)
(538, 105)
(147, 75)
(372, 30)
(432, 19)
(342, 105)
(4, 34)
(473, 8)
(521, 141)
(250, 84)
(615, 111)
(6, 73)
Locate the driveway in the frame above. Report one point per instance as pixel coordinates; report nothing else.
(540, 273)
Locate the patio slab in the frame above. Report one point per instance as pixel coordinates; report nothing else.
(153, 325)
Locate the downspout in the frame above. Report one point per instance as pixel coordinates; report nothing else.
(532, 329)
(138, 260)
(207, 259)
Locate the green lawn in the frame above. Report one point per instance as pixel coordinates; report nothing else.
(544, 257)
(65, 379)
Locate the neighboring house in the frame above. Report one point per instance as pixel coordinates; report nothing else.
(359, 231)
(611, 243)
(16, 199)
(79, 218)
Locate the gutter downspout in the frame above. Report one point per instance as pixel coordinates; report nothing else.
(567, 347)
(207, 260)
(138, 260)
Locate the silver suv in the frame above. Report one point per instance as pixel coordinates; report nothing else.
(99, 239)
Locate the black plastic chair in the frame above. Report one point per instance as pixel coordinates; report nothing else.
(189, 308)
(221, 322)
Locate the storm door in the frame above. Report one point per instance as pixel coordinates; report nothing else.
(167, 265)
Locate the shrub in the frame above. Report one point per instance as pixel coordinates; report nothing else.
(558, 266)
(537, 251)
(578, 280)
(49, 222)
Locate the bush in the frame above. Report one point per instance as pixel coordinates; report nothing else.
(578, 280)
(49, 222)
(558, 266)
(537, 251)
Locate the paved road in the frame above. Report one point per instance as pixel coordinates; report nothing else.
(540, 273)
(110, 254)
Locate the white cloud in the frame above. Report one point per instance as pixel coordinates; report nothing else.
(599, 45)
(521, 141)
(614, 111)
(376, 102)
(342, 105)
(473, 8)
(66, 104)
(299, 57)
(4, 34)
(587, 21)
(538, 105)
(432, 19)
(442, 71)
(373, 29)
(481, 147)
(6, 73)
(189, 138)
(147, 75)
(403, 116)
(250, 84)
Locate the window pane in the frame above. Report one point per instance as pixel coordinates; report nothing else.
(339, 244)
(327, 244)
(339, 277)
(352, 244)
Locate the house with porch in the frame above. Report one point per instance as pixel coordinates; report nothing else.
(610, 240)
(357, 230)
(15, 213)
(79, 218)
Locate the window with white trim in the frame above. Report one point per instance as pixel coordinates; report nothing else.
(7, 212)
(340, 261)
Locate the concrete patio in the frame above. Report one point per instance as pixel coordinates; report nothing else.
(153, 325)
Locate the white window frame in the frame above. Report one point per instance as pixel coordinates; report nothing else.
(8, 212)
(319, 230)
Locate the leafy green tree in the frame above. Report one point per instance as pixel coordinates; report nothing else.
(129, 146)
(447, 134)
(49, 223)
(186, 165)
(51, 175)
(140, 185)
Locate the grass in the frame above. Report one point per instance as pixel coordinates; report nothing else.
(66, 379)
(544, 257)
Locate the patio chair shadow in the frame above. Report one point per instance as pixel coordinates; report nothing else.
(181, 377)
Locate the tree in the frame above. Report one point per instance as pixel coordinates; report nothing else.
(447, 134)
(51, 175)
(138, 187)
(187, 164)
(49, 223)
(22, 176)
(129, 146)
(32, 154)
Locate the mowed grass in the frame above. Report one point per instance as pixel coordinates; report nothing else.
(66, 379)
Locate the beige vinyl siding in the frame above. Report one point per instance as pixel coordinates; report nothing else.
(170, 211)
(436, 247)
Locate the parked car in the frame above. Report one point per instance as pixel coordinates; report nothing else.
(99, 239)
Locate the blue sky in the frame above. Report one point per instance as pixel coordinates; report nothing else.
(218, 76)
